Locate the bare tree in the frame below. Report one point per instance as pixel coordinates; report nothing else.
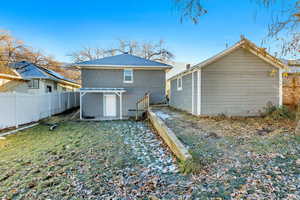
(283, 30)
(149, 50)
(13, 50)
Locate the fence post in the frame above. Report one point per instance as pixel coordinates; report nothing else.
(49, 104)
(59, 99)
(74, 94)
(68, 100)
(16, 110)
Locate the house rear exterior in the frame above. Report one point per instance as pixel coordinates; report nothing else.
(240, 81)
(112, 86)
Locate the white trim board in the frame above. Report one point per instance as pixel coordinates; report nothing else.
(280, 87)
(199, 92)
(193, 93)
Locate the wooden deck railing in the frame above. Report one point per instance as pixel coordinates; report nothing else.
(142, 104)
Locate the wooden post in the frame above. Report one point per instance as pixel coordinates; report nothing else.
(148, 97)
(121, 114)
(59, 101)
(68, 100)
(16, 111)
(74, 94)
(297, 130)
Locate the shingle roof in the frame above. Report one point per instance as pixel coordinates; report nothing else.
(57, 75)
(123, 60)
(28, 70)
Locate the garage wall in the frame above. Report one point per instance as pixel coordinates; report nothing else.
(238, 84)
(182, 99)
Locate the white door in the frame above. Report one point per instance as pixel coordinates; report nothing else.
(110, 104)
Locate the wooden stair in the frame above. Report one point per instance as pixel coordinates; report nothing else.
(142, 105)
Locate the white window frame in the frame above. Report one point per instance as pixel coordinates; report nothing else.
(128, 70)
(179, 79)
(31, 84)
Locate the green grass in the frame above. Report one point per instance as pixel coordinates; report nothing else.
(81, 160)
(37, 163)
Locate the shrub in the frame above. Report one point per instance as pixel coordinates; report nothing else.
(276, 113)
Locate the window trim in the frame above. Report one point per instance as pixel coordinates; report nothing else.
(179, 79)
(32, 86)
(124, 71)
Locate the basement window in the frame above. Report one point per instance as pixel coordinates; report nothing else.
(128, 76)
(179, 83)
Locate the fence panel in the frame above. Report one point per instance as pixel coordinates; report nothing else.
(21, 108)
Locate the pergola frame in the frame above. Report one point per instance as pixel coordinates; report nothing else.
(117, 91)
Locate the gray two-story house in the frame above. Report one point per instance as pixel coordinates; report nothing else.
(111, 86)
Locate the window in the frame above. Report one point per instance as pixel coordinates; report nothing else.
(48, 88)
(128, 76)
(179, 83)
(34, 84)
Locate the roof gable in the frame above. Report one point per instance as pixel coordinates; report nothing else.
(245, 44)
(122, 60)
(249, 46)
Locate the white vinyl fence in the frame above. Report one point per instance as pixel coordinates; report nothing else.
(21, 108)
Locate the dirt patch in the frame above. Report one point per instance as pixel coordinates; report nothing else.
(240, 158)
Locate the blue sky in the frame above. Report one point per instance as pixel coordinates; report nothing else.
(60, 27)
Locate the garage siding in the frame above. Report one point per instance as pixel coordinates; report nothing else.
(239, 84)
(182, 99)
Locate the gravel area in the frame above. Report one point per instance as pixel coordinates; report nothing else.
(239, 158)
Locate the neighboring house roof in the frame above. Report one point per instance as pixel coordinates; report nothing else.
(293, 70)
(59, 76)
(245, 44)
(177, 68)
(122, 60)
(293, 62)
(29, 71)
(294, 66)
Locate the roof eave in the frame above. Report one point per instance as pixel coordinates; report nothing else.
(95, 66)
(245, 44)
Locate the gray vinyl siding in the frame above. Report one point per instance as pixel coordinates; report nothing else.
(152, 81)
(182, 99)
(239, 84)
(93, 105)
(195, 92)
